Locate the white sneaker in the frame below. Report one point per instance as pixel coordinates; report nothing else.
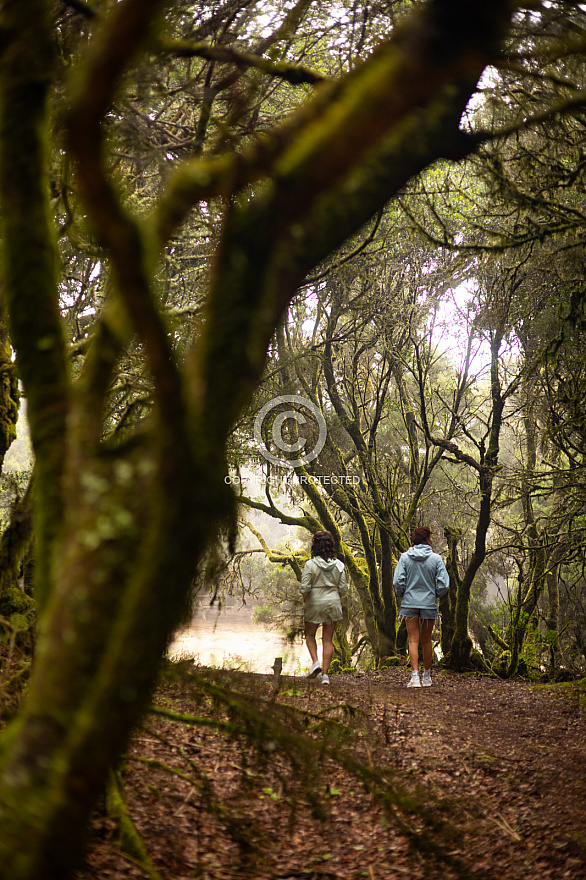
(325, 679)
(315, 670)
(426, 682)
(414, 680)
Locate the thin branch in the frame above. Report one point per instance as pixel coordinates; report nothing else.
(292, 73)
(123, 33)
(576, 102)
(354, 253)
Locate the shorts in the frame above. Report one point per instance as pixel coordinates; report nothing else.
(423, 613)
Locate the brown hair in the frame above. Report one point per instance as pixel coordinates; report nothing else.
(322, 544)
(421, 535)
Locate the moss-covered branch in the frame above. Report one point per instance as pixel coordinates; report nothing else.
(272, 556)
(131, 842)
(195, 720)
(306, 521)
(29, 257)
(497, 639)
(291, 73)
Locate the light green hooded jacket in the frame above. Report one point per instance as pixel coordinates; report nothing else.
(323, 583)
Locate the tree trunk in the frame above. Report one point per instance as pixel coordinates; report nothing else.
(461, 647)
(553, 592)
(342, 649)
(388, 593)
(448, 603)
(16, 542)
(527, 602)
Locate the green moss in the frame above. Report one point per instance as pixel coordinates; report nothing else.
(9, 398)
(336, 668)
(501, 664)
(14, 601)
(571, 691)
(478, 662)
(389, 662)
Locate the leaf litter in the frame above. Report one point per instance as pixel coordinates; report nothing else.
(472, 778)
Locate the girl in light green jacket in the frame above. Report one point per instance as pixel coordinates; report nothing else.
(323, 583)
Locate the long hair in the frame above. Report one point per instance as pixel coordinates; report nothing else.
(322, 544)
(421, 535)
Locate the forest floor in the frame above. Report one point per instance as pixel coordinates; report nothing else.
(473, 777)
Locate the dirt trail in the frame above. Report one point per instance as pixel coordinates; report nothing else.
(502, 763)
(512, 754)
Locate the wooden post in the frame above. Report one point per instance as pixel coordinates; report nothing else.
(277, 668)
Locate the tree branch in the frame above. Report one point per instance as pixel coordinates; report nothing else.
(122, 33)
(292, 73)
(29, 258)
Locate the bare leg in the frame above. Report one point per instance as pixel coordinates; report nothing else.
(412, 624)
(327, 637)
(426, 631)
(310, 641)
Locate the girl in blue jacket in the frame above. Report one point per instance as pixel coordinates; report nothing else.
(420, 579)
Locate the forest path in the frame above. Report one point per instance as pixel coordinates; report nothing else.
(501, 764)
(513, 754)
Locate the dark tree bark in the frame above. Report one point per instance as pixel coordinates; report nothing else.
(448, 603)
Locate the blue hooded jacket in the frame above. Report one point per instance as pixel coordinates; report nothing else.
(420, 577)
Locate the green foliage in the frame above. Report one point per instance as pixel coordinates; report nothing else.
(263, 614)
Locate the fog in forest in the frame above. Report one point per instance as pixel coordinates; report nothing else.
(230, 639)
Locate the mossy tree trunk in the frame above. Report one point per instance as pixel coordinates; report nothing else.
(342, 648)
(448, 603)
(119, 533)
(374, 591)
(545, 548)
(461, 647)
(536, 576)
(379, 598)
(553, 617)
(561, 544)
(485, 465)
(16, 541)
